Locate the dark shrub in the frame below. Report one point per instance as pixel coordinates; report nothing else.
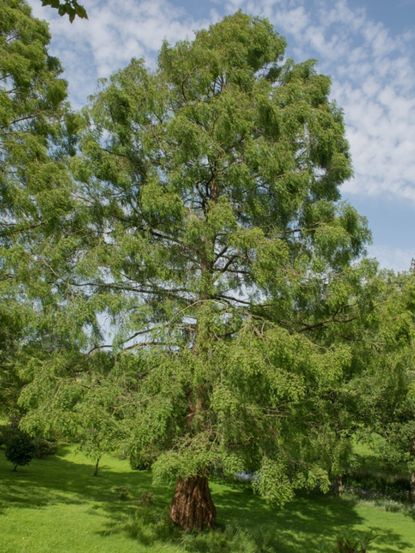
(44, 448)
(19, 449)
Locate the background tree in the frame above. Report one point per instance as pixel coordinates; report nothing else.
(81, 400)
(390, 405)
(374, 396)
(216, 242)
(340, 413)
(36, 205)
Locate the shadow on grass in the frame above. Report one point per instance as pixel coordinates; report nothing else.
(303, 526)
(56, 480)
(248, 526)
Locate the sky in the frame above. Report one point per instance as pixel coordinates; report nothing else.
(366, 46)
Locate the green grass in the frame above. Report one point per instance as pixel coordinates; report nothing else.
(57, 506)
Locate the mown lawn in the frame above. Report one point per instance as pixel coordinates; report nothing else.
(57, 506)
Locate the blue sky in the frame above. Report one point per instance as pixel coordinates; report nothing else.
(366, 46)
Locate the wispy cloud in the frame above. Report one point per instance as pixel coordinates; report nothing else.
(398, 259)
(373, 81)
(114, 33)
(373, 74)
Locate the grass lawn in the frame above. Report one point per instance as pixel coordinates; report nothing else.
(57, 506)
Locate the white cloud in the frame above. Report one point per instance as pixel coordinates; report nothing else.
(373, 81)
(114, 33)
(397, 259)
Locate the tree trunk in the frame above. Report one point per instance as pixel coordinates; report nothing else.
(412, 488)
(338, 486)
(14, 468)
(192, 507)
(96, 467)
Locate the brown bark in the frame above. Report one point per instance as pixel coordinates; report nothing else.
(338, 486)
(96, 468)
(192, 507)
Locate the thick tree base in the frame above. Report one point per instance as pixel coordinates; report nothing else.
(192, 507)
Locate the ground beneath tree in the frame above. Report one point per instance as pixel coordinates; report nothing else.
(56, 505)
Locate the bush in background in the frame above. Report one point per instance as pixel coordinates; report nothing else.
(44, 448)
(20, 450)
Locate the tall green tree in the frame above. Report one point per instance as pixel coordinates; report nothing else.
(216, 241)
(347, 409)
(35, 188)
(389, 401)
(376, 393)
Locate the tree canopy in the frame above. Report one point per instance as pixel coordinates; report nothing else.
(35, 188)
(180, 279)
(215, 240)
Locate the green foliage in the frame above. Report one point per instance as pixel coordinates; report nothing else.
(272, 483)
(12, 323)
(44, 448)
(202, 221)
(36, 207)
(214, 239)
(71, 8)
(387, 353)
(84, 408)
(140, 461)
(209, 231)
